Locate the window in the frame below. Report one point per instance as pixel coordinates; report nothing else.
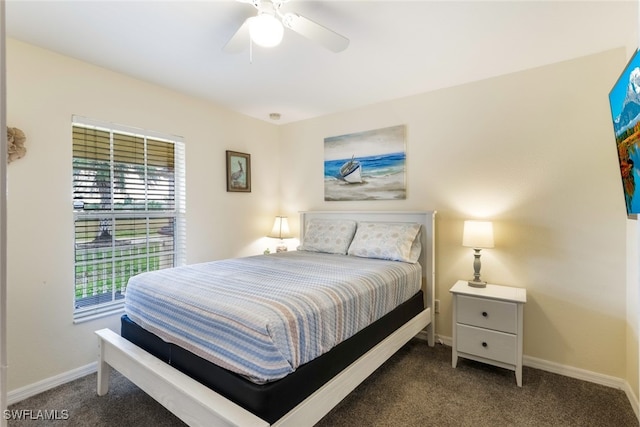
(128, 209)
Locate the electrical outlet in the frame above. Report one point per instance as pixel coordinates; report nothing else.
(437, 306)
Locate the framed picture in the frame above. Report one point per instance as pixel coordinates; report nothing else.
(367, 165)
(238, 172)
(625, 115)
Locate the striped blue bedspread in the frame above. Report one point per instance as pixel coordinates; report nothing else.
(263, 316)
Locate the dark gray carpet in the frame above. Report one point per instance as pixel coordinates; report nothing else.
(416, 387)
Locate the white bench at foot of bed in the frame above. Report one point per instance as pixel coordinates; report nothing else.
(198, 405)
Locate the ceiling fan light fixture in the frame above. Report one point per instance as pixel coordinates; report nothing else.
(266, 30)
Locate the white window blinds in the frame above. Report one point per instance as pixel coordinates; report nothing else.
(128, 207)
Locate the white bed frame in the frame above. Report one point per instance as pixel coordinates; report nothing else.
(198, 405)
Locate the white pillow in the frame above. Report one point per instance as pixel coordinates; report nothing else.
(396, 241)
(328, 235)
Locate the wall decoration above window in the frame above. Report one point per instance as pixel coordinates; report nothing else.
(15, 144)
(238, 172)
(366, 165)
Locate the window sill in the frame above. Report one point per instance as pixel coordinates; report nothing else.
(97, 313)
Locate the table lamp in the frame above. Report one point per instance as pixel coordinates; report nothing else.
(280, 231)
(477, 235)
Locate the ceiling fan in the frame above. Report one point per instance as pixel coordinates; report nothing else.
(267, 27)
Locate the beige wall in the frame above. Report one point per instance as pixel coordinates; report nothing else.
(633, 277)
(44, 91)
(633, 308)
(532, 151)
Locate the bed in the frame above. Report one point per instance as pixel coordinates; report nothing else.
(163, 349)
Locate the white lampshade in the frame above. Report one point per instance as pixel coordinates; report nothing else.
(280, 228)
(477, 234)
(266, 30)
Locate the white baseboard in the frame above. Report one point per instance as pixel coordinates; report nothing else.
(567, 371)
(422, 335)
(582, 374)
(633, 399)
(15, 396)
(22, 393)
(572, 372)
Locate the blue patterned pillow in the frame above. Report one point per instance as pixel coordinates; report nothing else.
(394, 241)
(328, 235)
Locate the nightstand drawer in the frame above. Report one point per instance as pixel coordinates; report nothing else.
(486, 313)
(488, 344)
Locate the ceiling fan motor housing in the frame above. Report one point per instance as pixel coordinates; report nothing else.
(267, 29)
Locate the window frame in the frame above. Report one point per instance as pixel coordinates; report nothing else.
(112, 214)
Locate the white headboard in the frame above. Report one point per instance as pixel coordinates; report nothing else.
(426, 218)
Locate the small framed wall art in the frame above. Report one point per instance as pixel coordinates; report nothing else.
(238, 172)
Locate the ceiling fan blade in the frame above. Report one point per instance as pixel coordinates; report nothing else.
(240, 39)
(315, 32)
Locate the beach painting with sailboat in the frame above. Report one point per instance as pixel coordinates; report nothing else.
(367, 165)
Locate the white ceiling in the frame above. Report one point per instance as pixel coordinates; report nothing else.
(397, 48)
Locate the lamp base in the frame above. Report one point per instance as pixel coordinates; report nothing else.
(477, 284)
(281, 248)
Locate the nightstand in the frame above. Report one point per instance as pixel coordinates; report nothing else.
(487, 325)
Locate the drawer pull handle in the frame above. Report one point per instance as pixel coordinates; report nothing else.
(484, 314)
(484, 344)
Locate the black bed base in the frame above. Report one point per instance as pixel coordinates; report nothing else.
(273, 400)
